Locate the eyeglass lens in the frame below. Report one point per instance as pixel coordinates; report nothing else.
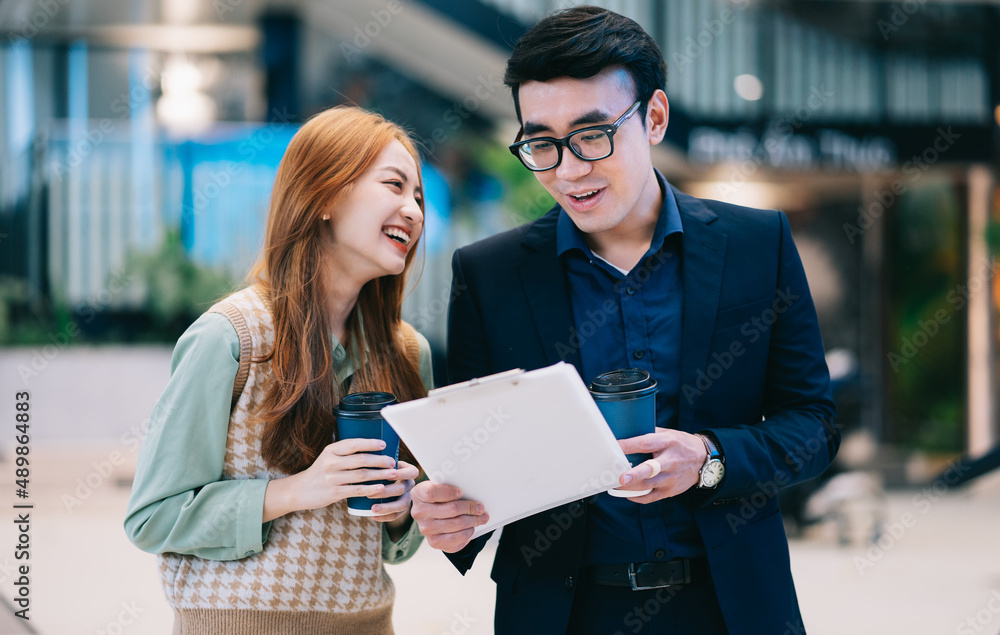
(586, 144)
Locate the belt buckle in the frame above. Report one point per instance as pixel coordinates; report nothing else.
(636, 587)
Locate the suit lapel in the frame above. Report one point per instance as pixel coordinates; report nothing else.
(547, 291)
(703, 263)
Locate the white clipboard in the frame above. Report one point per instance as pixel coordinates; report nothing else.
(519, 442)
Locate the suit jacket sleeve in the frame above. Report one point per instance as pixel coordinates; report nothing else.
(798, 436)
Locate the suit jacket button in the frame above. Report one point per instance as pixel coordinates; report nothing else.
(569, 582)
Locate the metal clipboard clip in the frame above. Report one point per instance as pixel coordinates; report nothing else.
(439, 393)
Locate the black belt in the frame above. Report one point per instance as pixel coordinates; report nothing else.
(649, 575)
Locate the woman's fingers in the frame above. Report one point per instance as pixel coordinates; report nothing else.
(393, 508)
(364, 491)
(345, 447)
(393, 490)
(352, 467)
(361, 460)
(347, 477)
(407, 471)
(398, 488)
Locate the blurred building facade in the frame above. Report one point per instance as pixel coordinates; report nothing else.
(138, 127)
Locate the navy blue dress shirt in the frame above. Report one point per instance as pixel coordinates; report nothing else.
(633, 320)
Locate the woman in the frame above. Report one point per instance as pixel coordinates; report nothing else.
(244, 495)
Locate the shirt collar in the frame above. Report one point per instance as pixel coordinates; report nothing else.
(347, 358)
(569, 236)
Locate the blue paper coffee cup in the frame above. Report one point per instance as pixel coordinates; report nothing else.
(627, 399)
(359, 416)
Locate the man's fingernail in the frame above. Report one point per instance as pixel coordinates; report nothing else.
(485, 519)
(480, 509)
(626, 479)
(376, 508)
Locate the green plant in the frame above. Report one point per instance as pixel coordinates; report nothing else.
(993, 236)
(177, 290)
(12, 290)
(926, 311)
(523, 195)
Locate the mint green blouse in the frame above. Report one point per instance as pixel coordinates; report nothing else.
(178, 494)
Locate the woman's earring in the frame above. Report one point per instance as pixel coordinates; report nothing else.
(326, 217)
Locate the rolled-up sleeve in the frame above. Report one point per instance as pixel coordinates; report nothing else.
(179, 501)
(399, 552)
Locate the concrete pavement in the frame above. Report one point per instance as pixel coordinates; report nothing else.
(937, 568)
(936, 571)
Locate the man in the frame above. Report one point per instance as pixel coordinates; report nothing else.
(627, 271)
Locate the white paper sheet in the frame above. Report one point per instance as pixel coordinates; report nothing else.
(519, 442)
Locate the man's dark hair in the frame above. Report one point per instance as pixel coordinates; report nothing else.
(580, 43)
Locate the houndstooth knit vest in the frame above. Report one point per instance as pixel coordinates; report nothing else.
(320, 570)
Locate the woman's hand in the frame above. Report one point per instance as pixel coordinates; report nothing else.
(396, 514)
(344, 469)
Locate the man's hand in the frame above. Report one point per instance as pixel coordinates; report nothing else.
(679, 456)
(445, 520)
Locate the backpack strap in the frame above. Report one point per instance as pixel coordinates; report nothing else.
(410, 343)
(246, 345)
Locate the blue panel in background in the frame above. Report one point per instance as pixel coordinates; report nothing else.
(142, 152)
(228, 176)
(20, 97)
(437, 209)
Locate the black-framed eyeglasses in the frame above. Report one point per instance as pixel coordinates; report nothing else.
(592, 143)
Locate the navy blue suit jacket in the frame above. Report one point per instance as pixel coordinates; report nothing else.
(752, 371)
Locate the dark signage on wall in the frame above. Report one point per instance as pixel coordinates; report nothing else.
(785, 145)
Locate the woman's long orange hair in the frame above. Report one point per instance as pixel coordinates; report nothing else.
(323, 161)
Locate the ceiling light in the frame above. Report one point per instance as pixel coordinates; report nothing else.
(748, 87)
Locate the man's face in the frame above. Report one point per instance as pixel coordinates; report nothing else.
(597, 195)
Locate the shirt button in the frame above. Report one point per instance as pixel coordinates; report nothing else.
(249, 553)
(639, 354)
(630, 290)
(569, 582)
(660, 553)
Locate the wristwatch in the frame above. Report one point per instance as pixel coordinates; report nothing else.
(714, 469)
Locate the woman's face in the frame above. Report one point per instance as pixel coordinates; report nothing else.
(379, 221)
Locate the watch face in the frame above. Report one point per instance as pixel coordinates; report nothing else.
(712, 473)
